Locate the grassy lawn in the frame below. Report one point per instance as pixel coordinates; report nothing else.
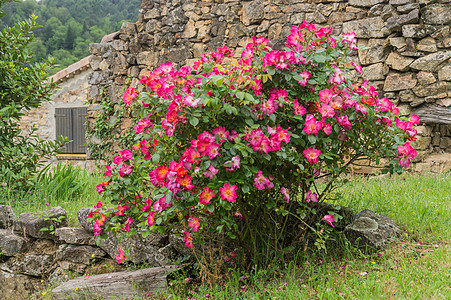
(417, 266)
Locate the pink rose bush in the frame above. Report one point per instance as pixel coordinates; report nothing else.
(248, 137)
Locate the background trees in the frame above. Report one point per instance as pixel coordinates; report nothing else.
(68, 26)
(23, 85)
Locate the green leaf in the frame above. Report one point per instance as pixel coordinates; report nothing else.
(245, 188)
(249, 97)
(311, 139)
(158, 221)
(240, 95)
(156, 158)
(194, 121)
(271, 71)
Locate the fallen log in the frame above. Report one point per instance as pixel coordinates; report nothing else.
(119, 285)
(433, 114)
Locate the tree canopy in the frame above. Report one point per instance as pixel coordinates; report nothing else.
(69, 26)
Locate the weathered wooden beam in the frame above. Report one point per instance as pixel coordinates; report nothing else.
(122, 285)
(434, 114)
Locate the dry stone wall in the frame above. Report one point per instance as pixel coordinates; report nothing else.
(405, 48)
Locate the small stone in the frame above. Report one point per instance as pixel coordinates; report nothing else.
(427, 44)
(190, 30)
(431, 61)
(445, 73)
(417, 31)
(364, 3)
(447, 42)
(399, 81)
(398, 42)
(253, 12)
(372, 51)
(433, 89)
(444, 102)
(407, 8)
(424, 130)
(375, 72)
(425, 78)
(399, 2)
(396, 22)
(422, 143)
(437, 14)
(147, 58)
(404, 109)
(128, 29)
(398, 62)
(265, 25)
(371, 28)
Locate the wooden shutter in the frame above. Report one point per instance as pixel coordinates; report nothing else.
(70, 122)
(63, 118)
(78, 130)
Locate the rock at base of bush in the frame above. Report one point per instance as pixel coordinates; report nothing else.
(371, 231)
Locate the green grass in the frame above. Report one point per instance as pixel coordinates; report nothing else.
(66, 185)
(417, 266)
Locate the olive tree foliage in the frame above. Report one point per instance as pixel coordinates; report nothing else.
(23, 85)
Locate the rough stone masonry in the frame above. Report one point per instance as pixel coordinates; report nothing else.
(405, 48)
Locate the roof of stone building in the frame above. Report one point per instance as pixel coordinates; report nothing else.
(71, 70)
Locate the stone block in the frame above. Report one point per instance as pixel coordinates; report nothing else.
(396, 22)
(79, 254)
(37, 265)
(424, 130)
(425, 78)
(399, 81)
(445, 73)
(253, 12)
(368, 28)
(375, 72)
(74, 235)
(372, 51)
(422, 143)
(399, 2)
(398, 62)
(32, 223)
(7, 217)
(427, 44)
(432, 89)
(147, 58)
(11, 244)
(407, 7)
(437, 14)
(417, 31)
(365, 3)
(398, 42)
(431, 62)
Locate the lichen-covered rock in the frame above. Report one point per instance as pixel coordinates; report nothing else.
(82, 216)
(18, 286)
(398, 62)
(431, 62)
(37, 265)
(371, 28)
(432, 89)
(371, 231)
(417, 31)
(372, 51)
(396, 22)
(437, 14)
(50, 219)
(375, 72)
(11, 244)
(253, 12)
(7, 217)
(445, 73)
(399, 81)
(74, 235)
(81, 254)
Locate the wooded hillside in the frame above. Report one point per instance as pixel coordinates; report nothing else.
(68, 26)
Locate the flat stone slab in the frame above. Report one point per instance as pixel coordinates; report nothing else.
(119, 285)
(7, 217)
